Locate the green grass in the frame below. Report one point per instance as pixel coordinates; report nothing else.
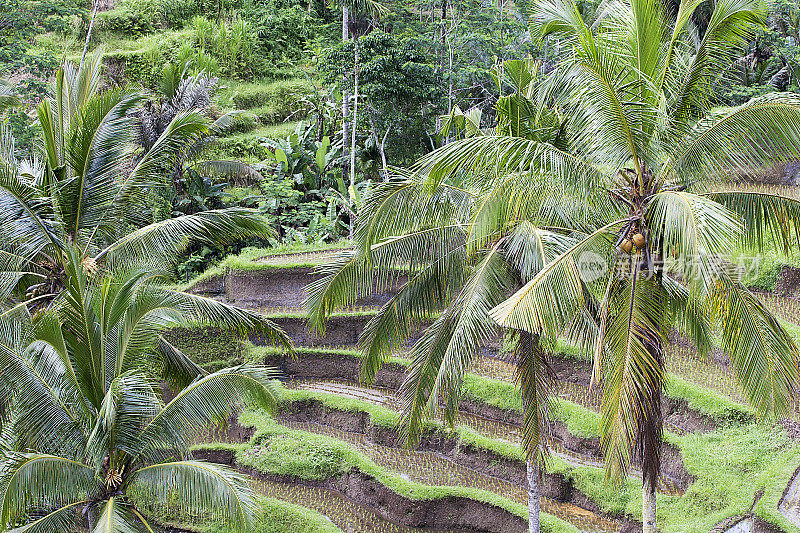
(165, 42)
(281, 95)
(275, 449)
(500, 394)
(732, 465)
(248, 259)
(278, 516)
(243, 141)
(379, 415)
(340, 314)
(706, 401)
(218, 446)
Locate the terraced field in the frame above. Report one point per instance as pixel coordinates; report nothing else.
(384, 487)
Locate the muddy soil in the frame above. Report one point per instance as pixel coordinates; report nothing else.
(274, 288)
(788, 283)
(340, 331)
(283, 288)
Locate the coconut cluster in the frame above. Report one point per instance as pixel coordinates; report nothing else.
(628, 244)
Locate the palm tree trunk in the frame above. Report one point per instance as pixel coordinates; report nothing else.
(650, 440)
(534, 524)
(355, 118)
(345, 95)
(88, 34)
(648, 507)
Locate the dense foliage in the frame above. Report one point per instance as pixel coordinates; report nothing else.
(143, 140)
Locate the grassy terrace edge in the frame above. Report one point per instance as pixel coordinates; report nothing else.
(348, 459)
(247, 260)
(504, 395)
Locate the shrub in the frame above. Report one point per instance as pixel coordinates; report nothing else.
(127, 21)
(230, 43)
(210, 348)
(283, 34)
(243, 123)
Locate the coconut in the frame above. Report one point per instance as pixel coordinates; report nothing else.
(626, 246)
(638, 240)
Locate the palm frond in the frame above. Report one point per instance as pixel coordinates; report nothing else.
(176, 367)
(35, 481)
(371, 8)
(344, 280)
(633, 375)
(764, 356)
(209, 400)
(228, 169)
(115, 517)
(129, 402)
(184, 129)
(65, 518)
(739, 142)
(170, 237)
(535, 380)
(691, 315)
(204, 488)
(202, 310)
(444, 352)
(407, 205)
(503, 155)
(693, 234)
(50, 414)
(29, 222)
(733, 23)
(764, 212)
(419, 299)
(555, 297)
(98, 144)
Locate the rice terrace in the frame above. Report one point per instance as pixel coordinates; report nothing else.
(378, 266)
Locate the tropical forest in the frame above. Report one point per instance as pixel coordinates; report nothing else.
(399, 266)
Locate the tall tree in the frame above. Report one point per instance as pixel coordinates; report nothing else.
(647, 151)
(355, 21)
(463, 243)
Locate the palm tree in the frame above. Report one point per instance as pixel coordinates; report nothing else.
(88, 440)
(180, 91)
(648, 152)
(89, 191)
(464, 245)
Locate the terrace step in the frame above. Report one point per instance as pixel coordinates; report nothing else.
(494, 429)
